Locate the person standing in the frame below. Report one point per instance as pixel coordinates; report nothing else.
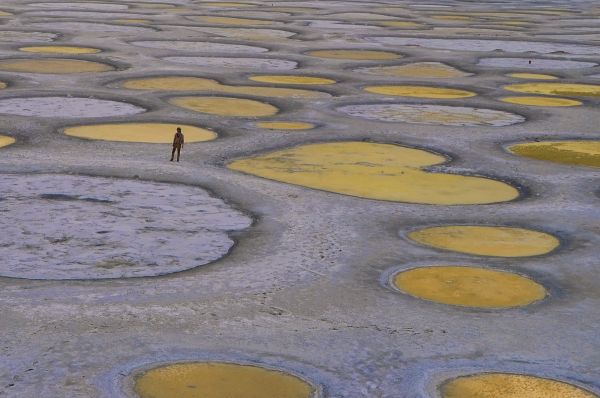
(177, 144)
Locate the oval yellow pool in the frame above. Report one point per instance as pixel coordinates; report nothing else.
(155, 133)
(541, 101)
(356, 55)
(133, 21)
(401, 24)
(226, 4)
(420, 92)
(285, 125)
(291, 79)
(182, 83)
(219, 380)
(225, 106)
(428, 70)
(509, 385)
(60, 50)
(469, 287)
(452, 17)
(374, 171)
(53, 66)
(532, 76)
(487, 240)
(578, 153)
(6, 141)
(232, 21)
(562, 89)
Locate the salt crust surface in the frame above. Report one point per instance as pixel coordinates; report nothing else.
(242, 33)
(490, 45)
(198, 46)
(80, 6)
(536, 63)
(74, 227)
(234, 62)
(256, 14)
(432, 114)
(85, 14)
(91, 27)
(331, 24)
(27, 37)
(67, 107)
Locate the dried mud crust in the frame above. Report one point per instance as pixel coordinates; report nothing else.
(73, 227)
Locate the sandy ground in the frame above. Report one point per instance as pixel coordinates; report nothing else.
(305, 287)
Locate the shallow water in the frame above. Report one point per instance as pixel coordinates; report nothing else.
(563, 89)
(420, 92)
(487, 240)
(225, 106)
(374, 171)
(541, 101)
(291, 79)
(53, 66)
(285, 125)
(401, 24)
(219, 380)
(495, 385)
(156, 133)
(6, 141)
(577, 153)
(532, 76)
(60, 50)
(178, 83)
(469, 287)
(216, 20)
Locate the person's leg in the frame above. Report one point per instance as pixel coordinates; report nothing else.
(172, 154)
(178, 152)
